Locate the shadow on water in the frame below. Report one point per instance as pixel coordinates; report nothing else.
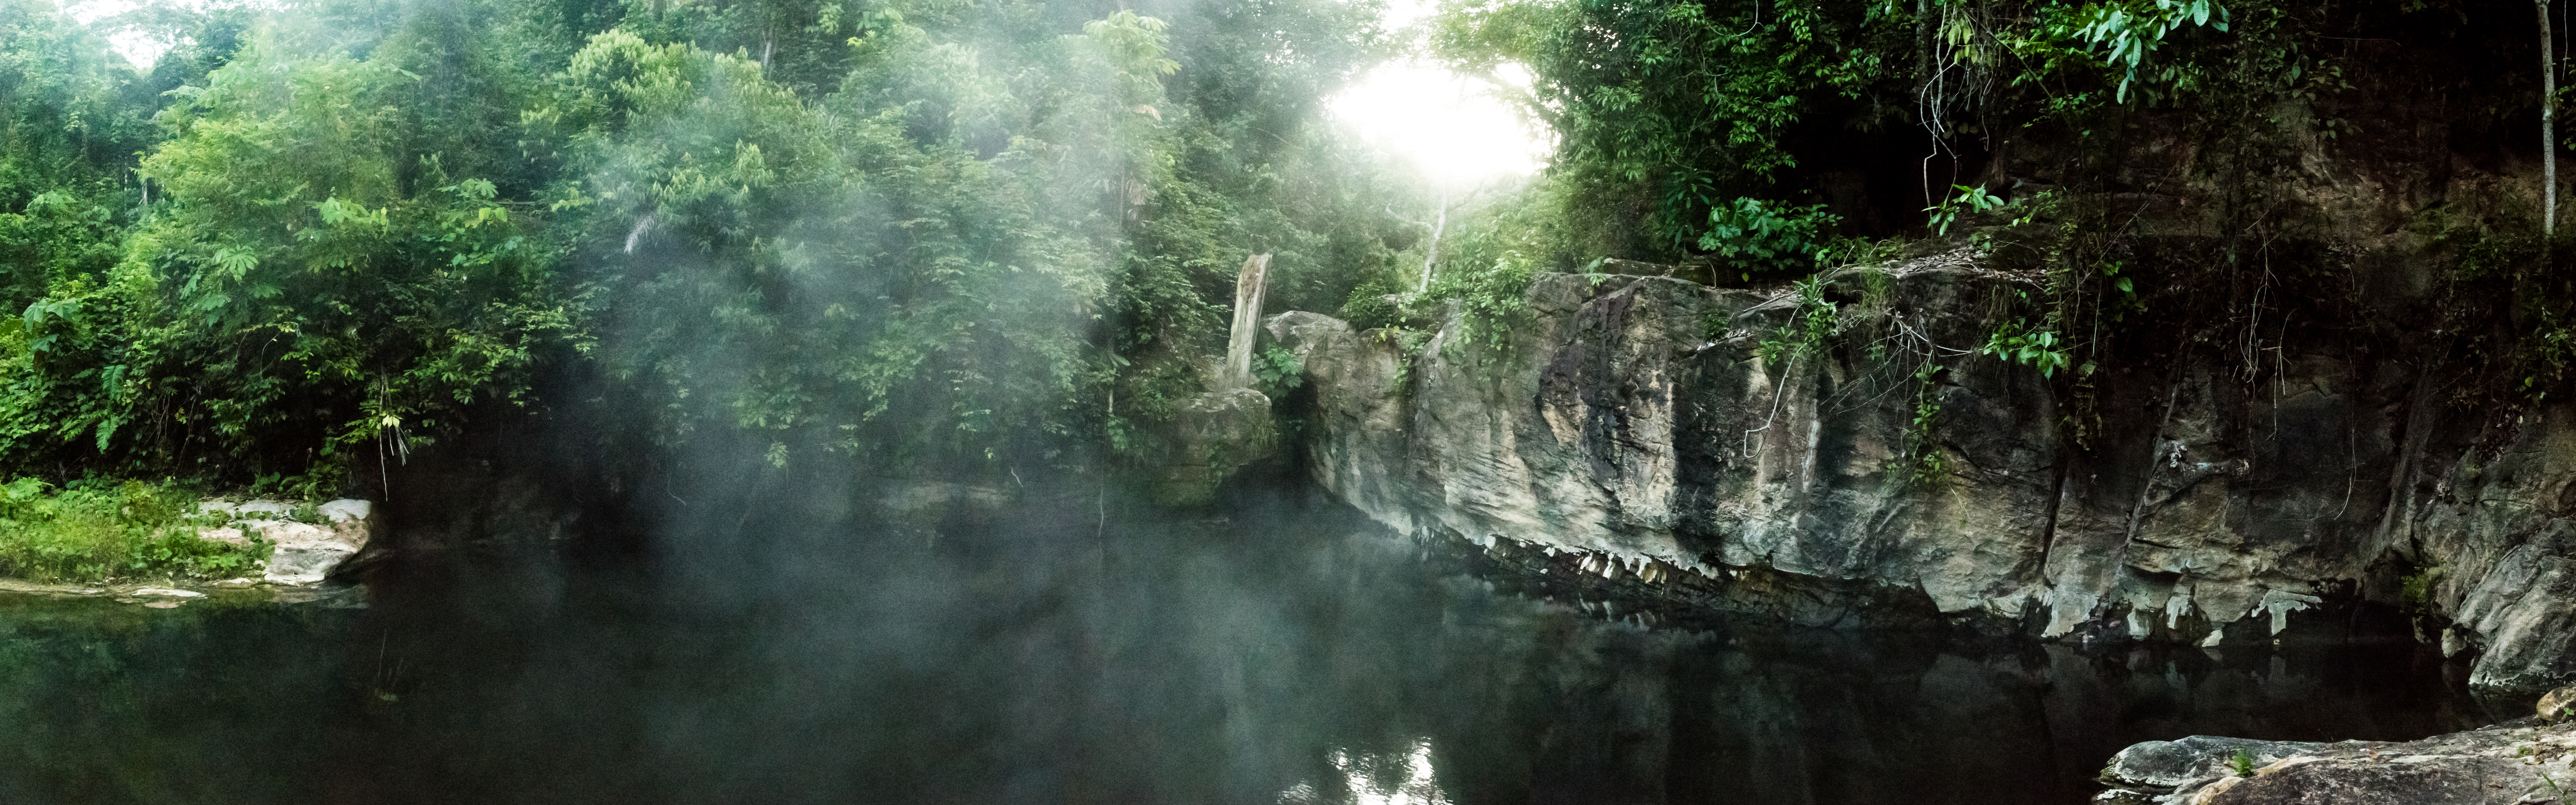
(1285, 653)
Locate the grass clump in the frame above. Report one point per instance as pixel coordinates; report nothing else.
(102, 531)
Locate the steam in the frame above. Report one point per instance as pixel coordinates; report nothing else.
(643, 226)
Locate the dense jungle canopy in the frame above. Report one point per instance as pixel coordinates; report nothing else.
(1003, 234)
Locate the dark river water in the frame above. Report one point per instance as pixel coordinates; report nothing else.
(1283, 654)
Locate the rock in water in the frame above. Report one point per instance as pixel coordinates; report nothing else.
(1209, 437)
(306, 553)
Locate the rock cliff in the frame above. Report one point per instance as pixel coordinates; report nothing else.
(1739, 450)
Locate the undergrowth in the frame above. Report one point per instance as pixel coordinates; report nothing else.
(101, 531)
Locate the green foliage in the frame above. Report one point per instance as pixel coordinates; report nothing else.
(2415, 590)
(969, 229)
(2019, 344)
(2124, 32)
(1491, 301)
(2242, 763)
(1277, 371)
(1369, 306)
(304, 253)
(1811, 323)
(97, 531)
(1673, 107)
(1768, 236)
(1968, 201)
(1925, 463)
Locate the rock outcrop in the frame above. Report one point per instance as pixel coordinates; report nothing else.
(2515, 762)
(1209, 437)
(1734, 450)
(304, 552)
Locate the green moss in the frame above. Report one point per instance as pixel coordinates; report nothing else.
(2415, 591)
(1369, 306)
(96, 531)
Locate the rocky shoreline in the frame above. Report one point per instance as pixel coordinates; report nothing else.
(173, 594)
(308, 544)
(2524, 761)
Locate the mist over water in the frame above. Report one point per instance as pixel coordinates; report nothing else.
(1277, 650)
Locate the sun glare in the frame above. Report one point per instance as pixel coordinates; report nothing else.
(137, 47)
(1454, 127)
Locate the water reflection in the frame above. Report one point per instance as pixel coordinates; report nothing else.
(1286, 655)
(1369, 779)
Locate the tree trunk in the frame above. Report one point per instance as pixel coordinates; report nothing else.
(2548, 126)
(1439, 221)
(1248, 286)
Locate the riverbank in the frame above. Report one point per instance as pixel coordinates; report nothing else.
(174, 594)
(108, 534)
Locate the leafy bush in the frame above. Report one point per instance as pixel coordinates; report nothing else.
(1278, 371)
(1926, 463)
(1951, 211)
(2018, 343)
(1369, 308)
(1810, 324)
(1491, 299)
(2131, 29)
(1764, 236)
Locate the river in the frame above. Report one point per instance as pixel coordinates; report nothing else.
(1280, 653)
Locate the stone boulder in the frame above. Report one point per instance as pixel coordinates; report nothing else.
(305, 553)
(2556, 705)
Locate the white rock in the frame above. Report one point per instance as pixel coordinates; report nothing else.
(170, 593)
(307, 553)
(347, 510)
(246, 507)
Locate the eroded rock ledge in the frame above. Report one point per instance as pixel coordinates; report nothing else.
(1633, 428)
(2522, 761)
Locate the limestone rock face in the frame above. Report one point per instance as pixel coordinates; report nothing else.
(1890, 473)
(305, 553)
(2524, 609)
(2501, 764)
